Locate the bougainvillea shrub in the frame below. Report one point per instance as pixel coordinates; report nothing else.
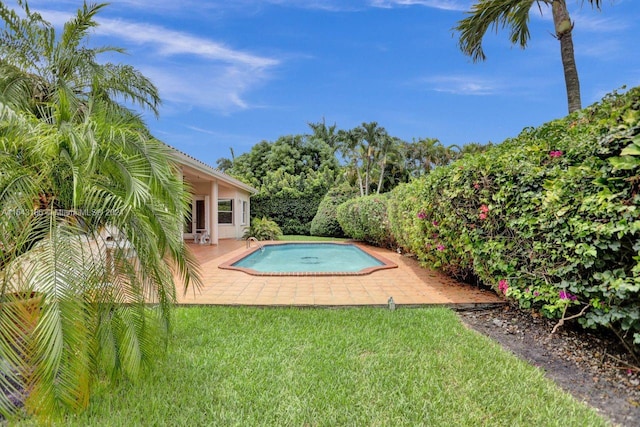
(549, 219)
(365, 218)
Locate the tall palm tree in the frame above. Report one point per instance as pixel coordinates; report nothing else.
(325, 133)
(471, 148)
(92, 217)
(425, 154)
(351, 147)
(373, 137)
(45, 68)
(514, 14)
(390, 149)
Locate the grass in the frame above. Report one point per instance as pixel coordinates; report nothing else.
(361, 367)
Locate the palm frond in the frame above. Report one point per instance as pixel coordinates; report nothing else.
(495, 14)
(76, 29)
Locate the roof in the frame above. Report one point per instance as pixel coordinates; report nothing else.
(187, 160)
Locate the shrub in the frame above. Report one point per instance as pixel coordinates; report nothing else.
(365, 218)
(550, 218)
(263, 229)
(293, 213)
(325, 223)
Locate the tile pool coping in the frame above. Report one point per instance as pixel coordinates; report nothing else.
(411, 285)
(386, 263)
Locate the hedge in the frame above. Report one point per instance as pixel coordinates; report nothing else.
(365, 218)
(549, 219)
(325, 222)
(292, 213)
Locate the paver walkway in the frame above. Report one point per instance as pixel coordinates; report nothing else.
(409, 284)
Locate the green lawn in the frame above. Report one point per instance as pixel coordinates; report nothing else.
(333, 367)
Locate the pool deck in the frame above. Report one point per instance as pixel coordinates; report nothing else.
(409, 285)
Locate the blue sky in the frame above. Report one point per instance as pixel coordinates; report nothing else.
(234, 72)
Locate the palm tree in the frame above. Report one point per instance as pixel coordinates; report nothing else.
(104, 239)
(373, 137)
(471, 149)
(514, 14)
(390, 149)
(425, 154)
(92, 217)
(324, 133)
(351, 147)
(41, 68)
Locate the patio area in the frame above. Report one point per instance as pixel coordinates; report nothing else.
(409, 285)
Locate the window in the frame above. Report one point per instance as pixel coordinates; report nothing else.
(244, 212)
(225, 211)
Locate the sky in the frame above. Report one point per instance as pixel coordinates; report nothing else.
(232, 73)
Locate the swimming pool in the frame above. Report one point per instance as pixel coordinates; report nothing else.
(308, 259)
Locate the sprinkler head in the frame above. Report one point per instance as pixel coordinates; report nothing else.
(391, 304)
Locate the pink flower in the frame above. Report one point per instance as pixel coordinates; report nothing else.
(484, 209)
(422, 215)
(476, 185)
(440, 248)
(566, 295)
(435, 223)
(483, 216)
(503, 285)
(536, 293)
(555, 153)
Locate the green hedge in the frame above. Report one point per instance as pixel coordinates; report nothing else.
(325, 223)
(365, 218)
(292, 213)
(545, 218)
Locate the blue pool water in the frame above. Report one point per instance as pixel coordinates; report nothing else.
(309, 257)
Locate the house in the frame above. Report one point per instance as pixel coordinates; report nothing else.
(220, 204)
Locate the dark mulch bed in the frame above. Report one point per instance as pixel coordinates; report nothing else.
(594, 368)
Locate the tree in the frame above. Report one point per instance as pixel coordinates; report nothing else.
(351, 148)
(424, 154)
(363, 148)
(92, 221)
(43, 69)
(374, 137)
(471, 149)
(514, 14)
(390, 149)
(324, 133)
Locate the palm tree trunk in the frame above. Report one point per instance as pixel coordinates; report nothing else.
(564, 27)
(357, 168)
(383, 165)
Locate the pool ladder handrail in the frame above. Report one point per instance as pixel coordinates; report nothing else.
(253, 239)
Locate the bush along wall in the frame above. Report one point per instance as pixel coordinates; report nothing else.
(292, 213)
(549, 219)
(325, 223)
(365, 218)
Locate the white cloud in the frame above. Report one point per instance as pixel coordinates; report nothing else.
(594, 21)
(602, 50)
(462, 85)
(218, 77)
(216, 87)
(168, 42)
(456, 5)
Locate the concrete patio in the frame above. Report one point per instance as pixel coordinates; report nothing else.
(409, 285)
